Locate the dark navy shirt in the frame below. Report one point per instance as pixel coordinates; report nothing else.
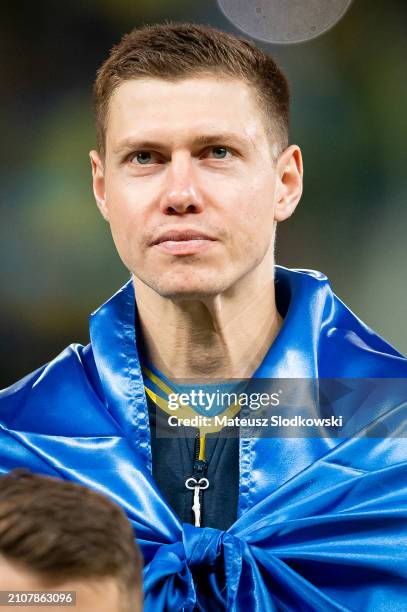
(173, 463)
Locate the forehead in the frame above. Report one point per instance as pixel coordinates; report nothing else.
(176, 111)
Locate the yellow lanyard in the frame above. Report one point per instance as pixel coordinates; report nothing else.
(183, 412)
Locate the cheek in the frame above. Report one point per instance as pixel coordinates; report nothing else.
(253, 220)
(125, 210)
(126, 228)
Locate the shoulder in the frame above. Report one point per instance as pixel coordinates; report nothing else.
(358, 350)
(67, 382)
(342, 343)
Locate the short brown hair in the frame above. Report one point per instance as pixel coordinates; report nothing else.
(175, 51)
(61, 530)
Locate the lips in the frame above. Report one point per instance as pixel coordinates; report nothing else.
(183, 242)
(181, 236)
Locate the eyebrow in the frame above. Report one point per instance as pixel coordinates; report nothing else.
(131, 143)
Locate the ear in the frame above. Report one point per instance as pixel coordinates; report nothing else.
(289, 182)
(98, 180)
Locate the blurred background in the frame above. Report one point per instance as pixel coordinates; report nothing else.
(58, 263)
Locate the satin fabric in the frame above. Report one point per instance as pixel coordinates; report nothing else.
(321, 522)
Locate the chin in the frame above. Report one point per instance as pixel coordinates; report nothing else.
(196, 287)
(187, 292)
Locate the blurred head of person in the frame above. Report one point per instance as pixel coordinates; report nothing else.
(60, 536)
(192, 168)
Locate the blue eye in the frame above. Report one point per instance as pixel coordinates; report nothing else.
(143, 157)
(219, 152)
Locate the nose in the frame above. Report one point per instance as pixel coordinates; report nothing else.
(181, 193)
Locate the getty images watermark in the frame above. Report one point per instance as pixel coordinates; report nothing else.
(253, 401)
(284, 408)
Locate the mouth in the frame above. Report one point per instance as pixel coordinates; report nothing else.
(183, 242)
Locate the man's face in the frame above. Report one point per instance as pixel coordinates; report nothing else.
(188, 183)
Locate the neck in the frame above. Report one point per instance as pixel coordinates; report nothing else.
(226, 336)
